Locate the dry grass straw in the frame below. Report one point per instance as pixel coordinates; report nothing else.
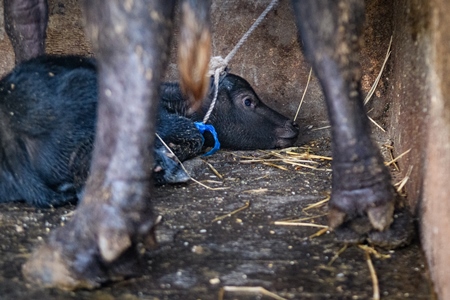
(299, 221)
(317, 204)
(376, 124)
(377, 80)
(401, 184)
(375, 84)
(373, 275)
(184, 169)
(214, 170)
(294, 156)
(302, 224)
(391, 155)
(366, 99)
(371, 250)
(256, 191)
(319, 233)
(338, 253)
(397, 158)
(303, 219)
(248, 290)
(321, 128)
(247, 205)
(303, 96)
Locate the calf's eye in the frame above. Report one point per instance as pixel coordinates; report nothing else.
(247, 102)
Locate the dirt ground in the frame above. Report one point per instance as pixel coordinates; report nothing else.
(199, 255)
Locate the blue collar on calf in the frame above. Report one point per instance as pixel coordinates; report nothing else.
(204, 127)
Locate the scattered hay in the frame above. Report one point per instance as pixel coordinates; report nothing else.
(275, 166)
(391, 155)
(261, 177)
(376, 124)
(256, 191)
(401, 184)
(184, 169)
(212, 181)
(321, 128)
(336, 256)
(248, 290)
(371, 250)
(319, 233)
(213, 170)
(375, 85)
(300, 221)
(305, 218)
(377, 80)
(293, 156)
(373, 275)
(303, 224)
(247, 205)
(397, 158)
(303, 96)
(317, 204)
(208, 187)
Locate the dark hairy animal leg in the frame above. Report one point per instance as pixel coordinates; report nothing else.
(26, 25)
(99, 244)
(363, 198)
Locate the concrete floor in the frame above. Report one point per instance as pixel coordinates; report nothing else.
(198, 256)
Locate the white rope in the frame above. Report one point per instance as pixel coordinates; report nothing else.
(217, 65)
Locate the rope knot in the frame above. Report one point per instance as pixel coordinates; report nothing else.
(217, 63)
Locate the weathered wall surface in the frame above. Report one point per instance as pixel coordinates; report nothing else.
(271, 59)
(420, 121)
(435, 210)
(65, 33)
(409, 92)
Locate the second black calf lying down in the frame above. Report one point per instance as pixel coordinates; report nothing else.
(47, 121)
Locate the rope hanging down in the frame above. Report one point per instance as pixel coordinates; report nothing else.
(217, 65)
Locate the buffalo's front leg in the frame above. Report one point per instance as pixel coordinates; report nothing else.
(131, 41)
(361, 184)
(26, 25)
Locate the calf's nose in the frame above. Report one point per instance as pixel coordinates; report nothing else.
(290, 130)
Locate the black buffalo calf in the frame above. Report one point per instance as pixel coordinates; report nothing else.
(48, 113)
(241, 119)
(48, 108)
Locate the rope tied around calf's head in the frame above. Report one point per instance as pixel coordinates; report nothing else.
(218, 65)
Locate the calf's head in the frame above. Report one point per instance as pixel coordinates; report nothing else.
(243, 121)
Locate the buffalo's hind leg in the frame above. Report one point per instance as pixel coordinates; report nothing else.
(363, 199)
(100, 243)
(26, 25)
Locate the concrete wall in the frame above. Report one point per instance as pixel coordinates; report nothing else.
(435, 213)
(420, 121)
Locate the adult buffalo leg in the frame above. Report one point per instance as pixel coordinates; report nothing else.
(131, 41)
(361, 184)
(26, 25)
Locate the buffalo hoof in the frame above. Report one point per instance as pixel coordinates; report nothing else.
(396, 215)
(100, 244)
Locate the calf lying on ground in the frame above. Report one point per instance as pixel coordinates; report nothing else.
(48, 111)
